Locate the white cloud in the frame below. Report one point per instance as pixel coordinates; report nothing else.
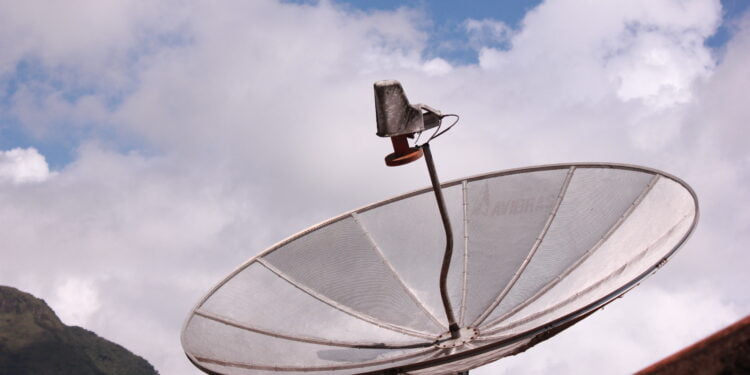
(76, 301)
(257, 120)
(79, 40)
(657, 68)
(437, 67)
(46, 113)
(23, 165)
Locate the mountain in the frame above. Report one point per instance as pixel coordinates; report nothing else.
(33, 340)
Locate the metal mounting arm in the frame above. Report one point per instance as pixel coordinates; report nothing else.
(452, 325)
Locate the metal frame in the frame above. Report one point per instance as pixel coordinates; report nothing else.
(537, 333)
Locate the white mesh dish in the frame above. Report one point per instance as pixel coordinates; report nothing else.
(535, 250)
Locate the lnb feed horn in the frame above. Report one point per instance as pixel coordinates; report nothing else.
(399, 120)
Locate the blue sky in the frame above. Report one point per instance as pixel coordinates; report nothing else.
(147, 149)
(733, 9)
(444, 22)
(446, 19)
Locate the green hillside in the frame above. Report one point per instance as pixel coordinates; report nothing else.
(33, 340)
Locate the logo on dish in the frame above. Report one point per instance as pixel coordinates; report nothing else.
(489, 207)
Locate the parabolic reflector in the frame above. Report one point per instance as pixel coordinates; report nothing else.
(535, 250)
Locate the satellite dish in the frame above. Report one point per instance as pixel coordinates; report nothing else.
(529, 252)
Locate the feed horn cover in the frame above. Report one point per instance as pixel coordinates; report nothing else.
(540, 248)
(394, 114)
(398, 119)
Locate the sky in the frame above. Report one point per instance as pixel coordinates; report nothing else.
(148, 148)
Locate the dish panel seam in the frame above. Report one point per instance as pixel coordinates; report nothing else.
(585, 256)
(583, 291)
(401, 281)
(462, 311)
(532, 251)
(346, 309)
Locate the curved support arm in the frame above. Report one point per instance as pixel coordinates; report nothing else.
(452, 325)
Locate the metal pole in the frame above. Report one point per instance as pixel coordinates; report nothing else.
(452, 325)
